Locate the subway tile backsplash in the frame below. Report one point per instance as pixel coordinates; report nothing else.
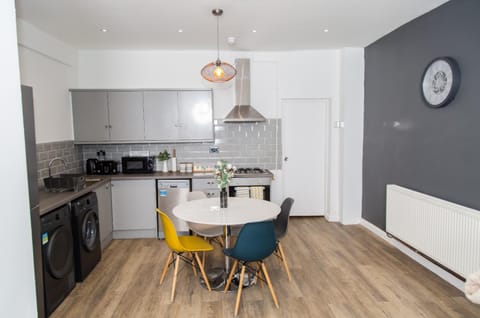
(72, 154)
(242, 144)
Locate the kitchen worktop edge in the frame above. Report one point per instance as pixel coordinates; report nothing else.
(52, 200)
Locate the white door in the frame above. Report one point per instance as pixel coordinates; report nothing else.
(305, 136)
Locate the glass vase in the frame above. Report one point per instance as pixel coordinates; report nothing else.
(223, 198)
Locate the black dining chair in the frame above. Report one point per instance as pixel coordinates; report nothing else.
(281, 226)
(256, 241)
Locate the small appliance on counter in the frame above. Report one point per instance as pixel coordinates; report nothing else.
(95, 166)
(138, 164)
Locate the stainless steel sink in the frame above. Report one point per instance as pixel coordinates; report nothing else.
(65, 182)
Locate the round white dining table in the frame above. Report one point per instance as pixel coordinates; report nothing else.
(239, 211)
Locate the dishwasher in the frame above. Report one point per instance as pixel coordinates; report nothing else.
(169, 194)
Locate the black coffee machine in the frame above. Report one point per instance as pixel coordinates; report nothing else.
(95, 166)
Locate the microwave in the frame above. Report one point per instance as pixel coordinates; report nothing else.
(138, 164)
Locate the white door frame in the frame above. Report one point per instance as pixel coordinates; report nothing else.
(328, 129)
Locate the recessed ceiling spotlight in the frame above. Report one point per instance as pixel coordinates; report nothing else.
(104, 30)
(325, 30)
(254, 31)
(180, 30)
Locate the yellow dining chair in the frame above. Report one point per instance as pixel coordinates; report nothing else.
(179, 245)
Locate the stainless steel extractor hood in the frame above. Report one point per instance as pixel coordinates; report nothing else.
(243, 112)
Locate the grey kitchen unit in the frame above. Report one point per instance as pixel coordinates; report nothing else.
(136, 116)
(104, 199)
(178, 115)
(107, 116)
(207, 186)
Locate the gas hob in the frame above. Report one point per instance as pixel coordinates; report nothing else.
(251, 177)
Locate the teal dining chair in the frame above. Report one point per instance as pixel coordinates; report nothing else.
(256, 241)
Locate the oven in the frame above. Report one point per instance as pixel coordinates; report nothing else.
(251, 183)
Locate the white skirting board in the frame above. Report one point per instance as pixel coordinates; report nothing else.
(437, 270)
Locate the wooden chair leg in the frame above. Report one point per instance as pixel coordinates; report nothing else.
(177, 263)
(259, 273)
(221, 241)
(203, 259)
(269, 283)
(282, 256)
(239, 292)
(193, 264)
(202, 270)
(230, 276)
(165, 268)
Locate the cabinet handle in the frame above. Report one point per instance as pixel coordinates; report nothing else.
(109, 126)
(106, 126)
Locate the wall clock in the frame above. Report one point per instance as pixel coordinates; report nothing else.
(440, 82)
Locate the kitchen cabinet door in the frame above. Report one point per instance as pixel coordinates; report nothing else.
(104, 198)
(160, 109)
(195, 115)
(207, 186)
(133, 205)
(125, 111)
(90, 116)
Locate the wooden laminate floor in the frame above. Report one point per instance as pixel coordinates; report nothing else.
(338, 271)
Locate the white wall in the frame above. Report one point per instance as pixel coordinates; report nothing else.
(17, 287)
(49, 66)
(274, 76)
(352, 109)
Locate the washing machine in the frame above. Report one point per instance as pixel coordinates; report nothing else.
(57, 255)
(86, 235)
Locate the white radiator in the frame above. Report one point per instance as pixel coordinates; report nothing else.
(446, 232)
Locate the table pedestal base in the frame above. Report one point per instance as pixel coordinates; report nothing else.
(217, 277)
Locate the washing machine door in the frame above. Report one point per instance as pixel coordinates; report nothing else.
(89, 230)
(59, 256)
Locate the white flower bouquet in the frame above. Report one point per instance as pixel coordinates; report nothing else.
(223, 173)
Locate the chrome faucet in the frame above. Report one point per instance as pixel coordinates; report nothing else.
(51, 162)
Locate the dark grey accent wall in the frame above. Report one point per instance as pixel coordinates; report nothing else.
(434, 151)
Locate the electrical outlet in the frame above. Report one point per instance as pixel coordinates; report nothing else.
(213, 149)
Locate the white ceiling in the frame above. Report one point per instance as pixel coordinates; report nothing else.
(280, 24)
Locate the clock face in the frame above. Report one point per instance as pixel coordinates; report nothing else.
(440, 82)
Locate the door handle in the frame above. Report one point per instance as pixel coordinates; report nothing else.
(285, 159)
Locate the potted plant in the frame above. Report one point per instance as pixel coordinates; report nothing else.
(164, 156)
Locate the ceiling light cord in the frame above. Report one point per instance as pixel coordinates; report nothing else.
(218, 38)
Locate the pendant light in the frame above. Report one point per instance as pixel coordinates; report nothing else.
(218, 71)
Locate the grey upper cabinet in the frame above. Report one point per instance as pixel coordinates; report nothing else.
(125, 111)
(116, 116)
(160, 109)
(195, 115)
(178, 115)
(90, 116)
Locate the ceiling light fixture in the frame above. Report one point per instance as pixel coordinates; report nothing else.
(254, 31)
(104, 30)
(180, 30)
(325, 30)
(218, 71)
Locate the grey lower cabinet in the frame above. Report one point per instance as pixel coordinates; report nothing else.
(108, 116)
(178, 115)
(104, 199)
(208, 186)
(133, 205)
